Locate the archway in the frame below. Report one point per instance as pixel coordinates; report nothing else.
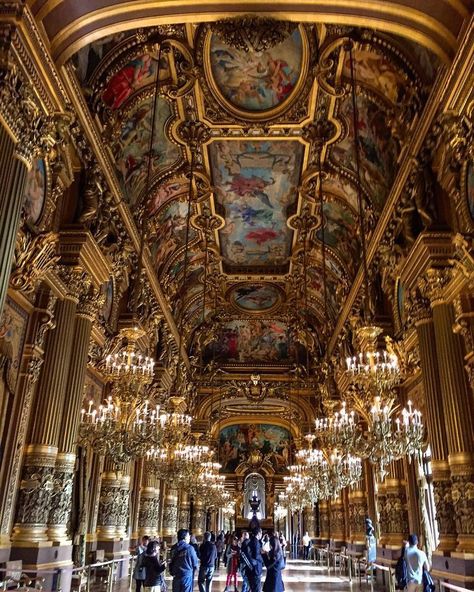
(254, 484)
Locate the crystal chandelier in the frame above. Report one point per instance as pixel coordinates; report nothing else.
(298, 491)
(339, 431)
(377, 371)
(129, 370)
(330, 472)
(120, 430)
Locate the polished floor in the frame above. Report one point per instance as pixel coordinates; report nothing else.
(303, 576)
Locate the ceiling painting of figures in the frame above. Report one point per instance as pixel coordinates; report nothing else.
(257, 81)
(169, 234)
(136, 74)
(251, 297)
(236, 442)
(376, 71)
(378, 148)
(252, 341)
(35, 191)
(167, 190)
(340, 233)
(255, 182)
(132, 149)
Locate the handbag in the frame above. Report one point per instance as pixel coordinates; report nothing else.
(427, 581)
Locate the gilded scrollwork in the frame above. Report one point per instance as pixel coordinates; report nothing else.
(35, 256)
(445, 514)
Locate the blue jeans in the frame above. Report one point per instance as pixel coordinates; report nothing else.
(205, 575)
(245, 580)
(183, 584)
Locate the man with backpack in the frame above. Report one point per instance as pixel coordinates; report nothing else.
(183, 562)
(410, 566)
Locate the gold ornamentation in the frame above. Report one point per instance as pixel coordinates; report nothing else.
(251, 33)
(34, 257)
(433, 283)
(445, 514)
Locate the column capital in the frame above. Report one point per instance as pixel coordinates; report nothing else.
(430, 250)
(419, 308)
(74, 279)
(433, 282)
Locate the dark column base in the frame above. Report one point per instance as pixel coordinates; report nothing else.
(457, 569)
(55, 561)
(336, 544)
(5, 553)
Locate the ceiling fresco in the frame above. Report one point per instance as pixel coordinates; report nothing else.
(245, 102)
(255, 184)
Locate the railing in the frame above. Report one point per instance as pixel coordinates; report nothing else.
(82, 577)
(391, 576)
(452, 587)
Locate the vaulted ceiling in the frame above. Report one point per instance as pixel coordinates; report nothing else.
(267, 100)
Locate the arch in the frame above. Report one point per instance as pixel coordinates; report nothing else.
(70, 24)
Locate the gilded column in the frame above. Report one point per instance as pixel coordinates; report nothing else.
(393, 508)
(456, 406)
(357, 513)
(47, 424)
(135, 498)
(63, 478)
(149, 513)
(198, 525)
(42, 320)
(435, 421)
(13, 171)
(170, 513)
(113, 511)
(324, 521)
(309, 521)
(337, 523)
(184, 510)
(95, 482)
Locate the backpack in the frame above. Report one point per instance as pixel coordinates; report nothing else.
(401, 573)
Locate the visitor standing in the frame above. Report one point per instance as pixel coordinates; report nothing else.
(232, 556)
(306, 545)
(220, 544)
(416, 562)
(139, 570)
(244, 541)
(153, 568)
(274, 563)
(183, 562)
(253, 553)
(208, 557)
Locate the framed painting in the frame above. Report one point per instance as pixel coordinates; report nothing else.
(255, 298)
(36, 192)
(256, 84)
(13, 324)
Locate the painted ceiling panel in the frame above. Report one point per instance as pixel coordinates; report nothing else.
(255, 183)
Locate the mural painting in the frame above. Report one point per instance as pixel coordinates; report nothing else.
(237, 441)
(166, 191)
(249, 341)
(13, 323)
(378, 149)
(93, 390)
(135, 75)
(255, 297)
(35, 191)
(170, 233)
(340, 233)
(470, 189)
(132, 151)
(316, 288)
(89, 57)
(255, 182)
(375, 70)
(257, 81)
(108, 292)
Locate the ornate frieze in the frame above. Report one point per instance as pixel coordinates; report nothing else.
(445, 514)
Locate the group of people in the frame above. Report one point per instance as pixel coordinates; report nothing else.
(245, 555)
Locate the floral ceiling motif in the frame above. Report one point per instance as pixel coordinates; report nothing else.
(266, 104)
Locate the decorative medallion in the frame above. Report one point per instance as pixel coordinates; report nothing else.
(35, 191)
(470, 189)
(255, 298)
(253, 76)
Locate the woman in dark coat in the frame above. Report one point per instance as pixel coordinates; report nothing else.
(274, 562)
(154, 580)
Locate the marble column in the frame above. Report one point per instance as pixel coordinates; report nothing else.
(457, 409)
(13, 171)
(170, 514)
(184, 510)
(46, 429)
(148, 515)
(64, 473)
(435, 422)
